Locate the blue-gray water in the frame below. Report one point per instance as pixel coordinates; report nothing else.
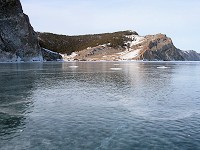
(100, 106)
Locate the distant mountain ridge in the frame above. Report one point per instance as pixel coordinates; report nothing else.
(122, 45)
(190, 55)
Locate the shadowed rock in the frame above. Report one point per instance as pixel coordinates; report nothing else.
(18, 40)
(191, 55)
(159, 47)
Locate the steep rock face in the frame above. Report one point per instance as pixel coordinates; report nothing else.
(49, 55)
(18, 41)
(159, 47)
(191, 55)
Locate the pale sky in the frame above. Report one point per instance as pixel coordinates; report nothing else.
(178, 19)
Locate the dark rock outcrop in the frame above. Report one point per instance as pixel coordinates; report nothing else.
(49, 55)
(159, 47)
(18, 40)
(190, 55)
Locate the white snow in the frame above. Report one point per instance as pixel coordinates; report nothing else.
(134, 40)
(69, 57)
(104, 45)
(18, 59)
(162, 67)
(89, 47)
(188, 51)
(121, 53)
(73, 67)
(115, 68)
(130, 55)
(73, 55)
(47, 50)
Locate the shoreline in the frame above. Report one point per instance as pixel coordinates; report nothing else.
(100, 61)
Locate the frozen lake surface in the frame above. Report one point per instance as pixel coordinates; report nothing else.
(100, 105)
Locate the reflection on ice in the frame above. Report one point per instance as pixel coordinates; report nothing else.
(97, 106)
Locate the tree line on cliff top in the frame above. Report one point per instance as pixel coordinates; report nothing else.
(68, 44)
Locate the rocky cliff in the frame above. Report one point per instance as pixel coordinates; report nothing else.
(161, 47)
(49, 55)
(18, 41)
(158, 47)
(190, 55)
(123, 45)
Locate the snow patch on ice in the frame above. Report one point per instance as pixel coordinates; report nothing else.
(162, 67)
(74, 67)
(115, 68)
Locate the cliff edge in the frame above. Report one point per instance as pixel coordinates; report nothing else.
(18, 40)
(122, 45)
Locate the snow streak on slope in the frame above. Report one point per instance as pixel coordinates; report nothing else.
(130, 52)
(69, 57)
(130, 55)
